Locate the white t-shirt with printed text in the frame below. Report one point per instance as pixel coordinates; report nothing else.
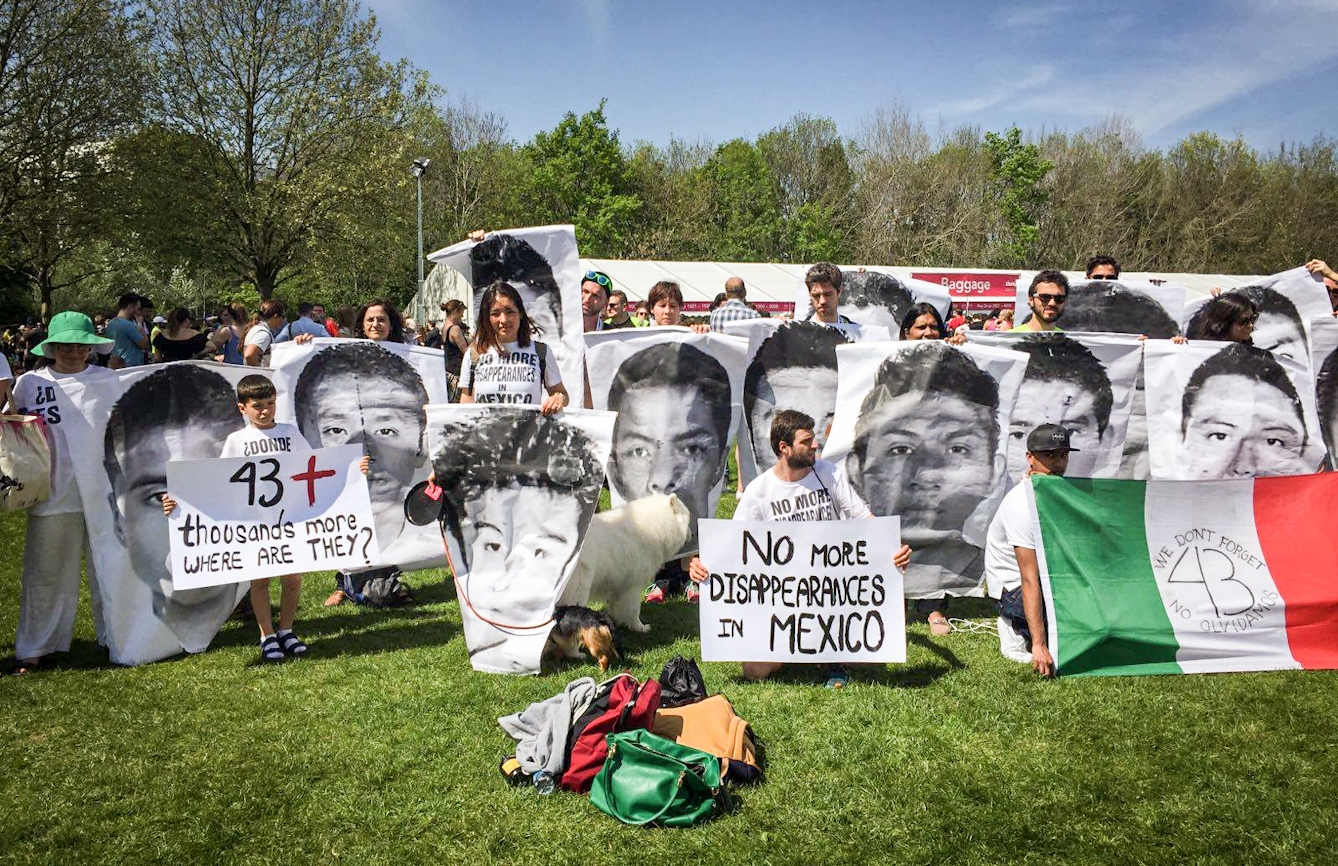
(823, 494)
(511, 375)
(36, 393)
(252, 441)
(1014, 525)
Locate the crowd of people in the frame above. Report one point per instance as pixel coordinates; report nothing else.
(505, 361)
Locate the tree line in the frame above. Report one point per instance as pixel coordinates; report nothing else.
(201, 151)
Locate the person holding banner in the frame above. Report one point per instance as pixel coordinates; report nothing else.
(1011, 568)
(56, 534)
(506, 364)
(256, 399)
(799, 487)
(1047, 295)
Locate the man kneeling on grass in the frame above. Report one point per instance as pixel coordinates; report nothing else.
(256, 399)
(1011, 569)
(813, 489)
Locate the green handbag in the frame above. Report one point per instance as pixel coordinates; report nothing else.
(650, 780)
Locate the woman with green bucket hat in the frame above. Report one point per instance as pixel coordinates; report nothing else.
(50, 591)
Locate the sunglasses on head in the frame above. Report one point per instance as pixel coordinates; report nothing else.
(599, 277)
(1050, 299)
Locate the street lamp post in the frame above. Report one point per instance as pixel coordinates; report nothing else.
(419, 169)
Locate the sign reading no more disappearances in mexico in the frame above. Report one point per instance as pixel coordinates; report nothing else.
(805, 592)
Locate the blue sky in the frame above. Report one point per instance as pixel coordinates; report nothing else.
(1267, 71)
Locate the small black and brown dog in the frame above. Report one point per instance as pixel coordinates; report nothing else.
(577, 627)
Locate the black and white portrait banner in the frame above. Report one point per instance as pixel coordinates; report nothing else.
(802, 591)
(1114, 306)
(791, 365)
(517, 491)
(1324, 361)
(1220, 410)
(370, 394)
(122, 435)
(1082, 382)
(876, 297)
(678, 396)
(269, 515)
(1287, 302)
(921, 428)
(543, 265)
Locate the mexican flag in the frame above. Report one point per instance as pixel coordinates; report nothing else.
(1159, 577)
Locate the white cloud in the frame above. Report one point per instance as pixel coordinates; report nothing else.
(1030, 16)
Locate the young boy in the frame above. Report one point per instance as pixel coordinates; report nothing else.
(256, 399)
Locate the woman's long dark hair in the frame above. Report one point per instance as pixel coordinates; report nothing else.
(486, 338)
(1214, 321)
(396, 320)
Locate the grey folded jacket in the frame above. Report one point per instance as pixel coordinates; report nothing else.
(540, 730)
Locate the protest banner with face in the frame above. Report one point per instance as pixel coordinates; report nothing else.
(1324, 361)
(678, 396)
(921, 429)
(1286, 302)
(875, 297)
(543, 265)
(122, 434)
(1113, 306)
(372, 394)
(518, 491)
(1082, 382)
(802, 591)
(1219, 410)
(270, 514)
(791, 365)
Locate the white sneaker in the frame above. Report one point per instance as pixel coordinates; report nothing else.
(1011, 644)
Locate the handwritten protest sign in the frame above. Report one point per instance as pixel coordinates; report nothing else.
(244, 518)
(819, 591)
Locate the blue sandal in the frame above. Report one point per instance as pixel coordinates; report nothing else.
(270, 650)
(292, 645)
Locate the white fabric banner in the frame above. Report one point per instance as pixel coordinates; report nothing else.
(543, 265)
(678, 396)
(518, 490)
(876, 296)
(1220, 410)
(1082, 382)
(791, 365)
(1287, 303)
(1113, 306)
(122, 434)
(802, 591)
(371, 394)
(921, 428)
(1324, 361)
(242, 518)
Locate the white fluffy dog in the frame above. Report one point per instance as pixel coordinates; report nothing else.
(623, 550)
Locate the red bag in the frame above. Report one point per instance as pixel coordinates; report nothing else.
(622, 704)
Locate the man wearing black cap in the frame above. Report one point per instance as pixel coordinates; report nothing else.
(1011, 569)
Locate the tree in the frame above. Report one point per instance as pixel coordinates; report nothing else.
(746, 210)
(814, 182)
(69, 81)
(291, 119)
(578, 174)
(1016, 170)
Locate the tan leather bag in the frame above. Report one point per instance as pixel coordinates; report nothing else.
(710, 725)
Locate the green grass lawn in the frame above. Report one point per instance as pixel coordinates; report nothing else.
(382, 748)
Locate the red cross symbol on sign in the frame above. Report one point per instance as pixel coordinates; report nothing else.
(310, 476)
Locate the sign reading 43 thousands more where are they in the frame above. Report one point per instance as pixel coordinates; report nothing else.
(816, 591)
(242, 518)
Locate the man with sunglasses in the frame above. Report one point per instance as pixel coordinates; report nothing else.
(595, 287)
(1048, 293)
(1103, 268)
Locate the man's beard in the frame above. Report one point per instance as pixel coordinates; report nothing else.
(796, 462)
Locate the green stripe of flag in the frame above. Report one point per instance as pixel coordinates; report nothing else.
(1111, 619)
